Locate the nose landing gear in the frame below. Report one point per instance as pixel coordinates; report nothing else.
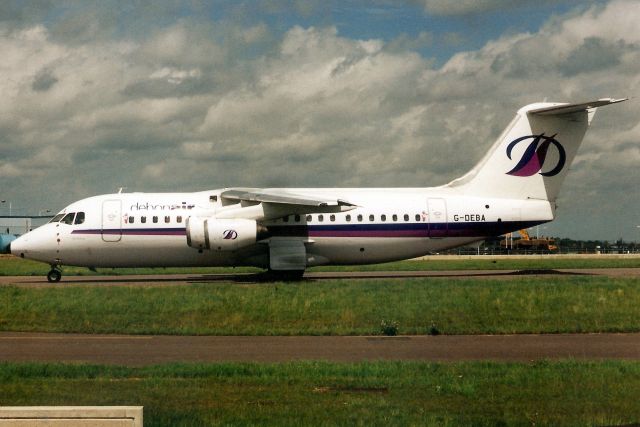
(54, 275)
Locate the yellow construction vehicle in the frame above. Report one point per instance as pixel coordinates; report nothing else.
(527, 243)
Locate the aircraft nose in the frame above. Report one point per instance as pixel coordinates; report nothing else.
(25, 246)
(38, 245)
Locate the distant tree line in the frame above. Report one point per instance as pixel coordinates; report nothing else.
(565, 245)
(592, 246)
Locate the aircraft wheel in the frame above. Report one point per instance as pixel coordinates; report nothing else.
(54, 276)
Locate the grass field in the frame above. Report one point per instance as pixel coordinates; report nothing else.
(538, 304)
(568, 393)
(12, 266)
(565, 393)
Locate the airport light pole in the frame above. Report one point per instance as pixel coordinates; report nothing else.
(4, 201)
(538, 230)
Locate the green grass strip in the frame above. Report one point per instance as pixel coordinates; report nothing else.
(12, 266)
(540, 304)
(567, 393)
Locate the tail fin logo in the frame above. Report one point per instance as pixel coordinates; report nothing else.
(533, 159)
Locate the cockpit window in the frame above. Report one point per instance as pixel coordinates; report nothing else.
(57, 218)
(79, 218)
(68, 218)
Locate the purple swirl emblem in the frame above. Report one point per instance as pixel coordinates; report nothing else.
(229, 235)
(535, 155)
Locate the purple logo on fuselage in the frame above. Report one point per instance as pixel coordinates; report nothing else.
(229, 234)
(534, 156)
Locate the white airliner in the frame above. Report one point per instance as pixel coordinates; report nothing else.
(514, 186)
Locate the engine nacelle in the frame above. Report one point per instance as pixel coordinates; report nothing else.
(221, 234)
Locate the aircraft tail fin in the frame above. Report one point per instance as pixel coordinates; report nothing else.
(531, 157)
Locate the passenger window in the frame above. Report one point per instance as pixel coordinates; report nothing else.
(79, 218)
(179, 219)
(394, 217)
(285, 219)
(417, 217)
(371, 218)
(332, 218)
(57, 218)
(308, 218)
(68, 218)
(131, 219)
(143, 219)
(320, 218)
(383, 217)
(155, 219)
(348, 218)
(406, 217)
(167, 219)
(297, 218)
(359, 218)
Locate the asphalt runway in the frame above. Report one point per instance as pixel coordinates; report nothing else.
(186, 279)
(146, 350)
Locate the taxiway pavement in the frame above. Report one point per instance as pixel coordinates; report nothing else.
(136, 350)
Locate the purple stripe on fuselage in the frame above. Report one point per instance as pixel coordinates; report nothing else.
(136, 232)
(399, 230)
(369, 233)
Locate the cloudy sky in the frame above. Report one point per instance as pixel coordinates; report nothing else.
(187, 95)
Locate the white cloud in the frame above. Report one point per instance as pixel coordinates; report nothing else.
(255, 34)
(154, 171)
(8, 170)
(198, 150)
(175, 76)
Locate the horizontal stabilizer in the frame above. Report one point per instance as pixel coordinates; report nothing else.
(574, 108)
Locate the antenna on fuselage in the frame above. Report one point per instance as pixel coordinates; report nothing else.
(121, 189)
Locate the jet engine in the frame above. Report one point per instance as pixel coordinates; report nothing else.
(222, 234)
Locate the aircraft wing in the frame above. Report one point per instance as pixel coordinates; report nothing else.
(267, 203)
(280, 197)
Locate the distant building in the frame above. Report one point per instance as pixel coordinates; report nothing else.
(20, 224)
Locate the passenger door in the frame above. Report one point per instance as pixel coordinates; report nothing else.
(112, 220)
(437, 217)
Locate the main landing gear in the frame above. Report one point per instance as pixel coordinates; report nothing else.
(54, 275)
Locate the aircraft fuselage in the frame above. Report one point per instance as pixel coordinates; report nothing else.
(149, 229)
